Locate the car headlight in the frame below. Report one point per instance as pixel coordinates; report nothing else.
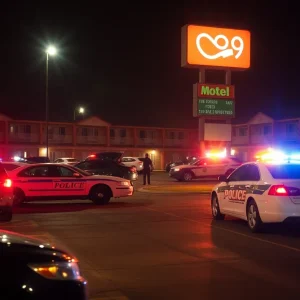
(58, 271)
(124, 183)
(176, 169)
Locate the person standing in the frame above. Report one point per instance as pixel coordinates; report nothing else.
(147, 168)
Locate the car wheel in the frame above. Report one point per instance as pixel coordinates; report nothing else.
(100, 194)
(253, 218)
(215, 208)
(5, 214)
(187, 176)
(19, 197)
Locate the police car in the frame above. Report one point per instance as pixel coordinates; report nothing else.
(206, 167)
(259, 192)
(59, 181)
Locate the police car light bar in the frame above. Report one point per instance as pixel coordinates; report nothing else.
(214, 154)
(277, 156)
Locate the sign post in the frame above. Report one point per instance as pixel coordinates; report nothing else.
(220, 49)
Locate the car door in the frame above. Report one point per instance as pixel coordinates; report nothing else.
(199, 168)
(67, 182)
(35, 181)
(238, 186)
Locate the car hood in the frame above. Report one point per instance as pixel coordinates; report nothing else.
(108, 178)
(182, 166)
(16, 238)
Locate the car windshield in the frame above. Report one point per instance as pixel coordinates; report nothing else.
(286, 171)
(81, 171)
(72, 160)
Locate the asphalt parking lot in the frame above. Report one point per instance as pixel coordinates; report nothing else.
(163, 244)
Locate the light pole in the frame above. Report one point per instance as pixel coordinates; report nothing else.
(80, 110)
(49, 51)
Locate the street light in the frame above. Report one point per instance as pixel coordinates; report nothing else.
(80, 110)
(51, 50)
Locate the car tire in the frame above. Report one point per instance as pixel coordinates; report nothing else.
(100, 194)
(19, 197)
(253, 218)
(187, 176)
(215, 208)
(5, 214)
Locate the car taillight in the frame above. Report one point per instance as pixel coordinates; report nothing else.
(140, 162)
(7, 183)
(282, 190)
(132, 169)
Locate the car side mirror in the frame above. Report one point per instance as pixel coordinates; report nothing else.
(77, 175)
(223, 178)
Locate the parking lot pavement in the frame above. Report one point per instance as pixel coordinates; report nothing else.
(166, 246)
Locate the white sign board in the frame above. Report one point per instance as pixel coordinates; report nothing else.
(217, 132)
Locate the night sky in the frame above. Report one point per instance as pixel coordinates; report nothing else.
(122, 61)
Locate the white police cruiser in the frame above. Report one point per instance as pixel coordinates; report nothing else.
(206, 167)
(259, 192)
(59, 181)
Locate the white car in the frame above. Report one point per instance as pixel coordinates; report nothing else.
(55, 181)
(205, 168)
(133, 162)
(67, 160)
(259, 192)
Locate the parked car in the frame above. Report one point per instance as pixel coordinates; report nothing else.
(32, 159)
(67, 160)
(108, 163)
(108, 167)
(6, 197)
(34, 270)
(133, 162)
(205, 168)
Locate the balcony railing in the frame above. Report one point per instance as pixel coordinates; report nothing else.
(149, 142)
(91, 140)
(240, 140)
(23, 138)
(118, 141)
(60, 139)
(261, 139)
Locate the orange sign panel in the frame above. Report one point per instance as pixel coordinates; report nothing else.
(213, 47)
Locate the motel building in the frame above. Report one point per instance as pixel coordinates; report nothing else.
(27, 138)
(79, 139)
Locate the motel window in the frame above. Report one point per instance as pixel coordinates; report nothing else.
(291, 128)
(62, 131)
(243, 131)
(233, 131)
(142, 134)
(112, 133)
(123, 133)
(267, 129)
(84, 131)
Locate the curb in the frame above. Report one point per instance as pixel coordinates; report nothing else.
(142, 190)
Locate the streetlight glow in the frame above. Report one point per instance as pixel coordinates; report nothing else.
(51, 50)
(81, 110)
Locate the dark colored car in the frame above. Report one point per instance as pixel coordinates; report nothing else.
(34, 270)
(6, 197)
(33, 159)
(107, 163)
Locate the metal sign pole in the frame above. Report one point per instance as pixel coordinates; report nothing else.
(201, 119)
